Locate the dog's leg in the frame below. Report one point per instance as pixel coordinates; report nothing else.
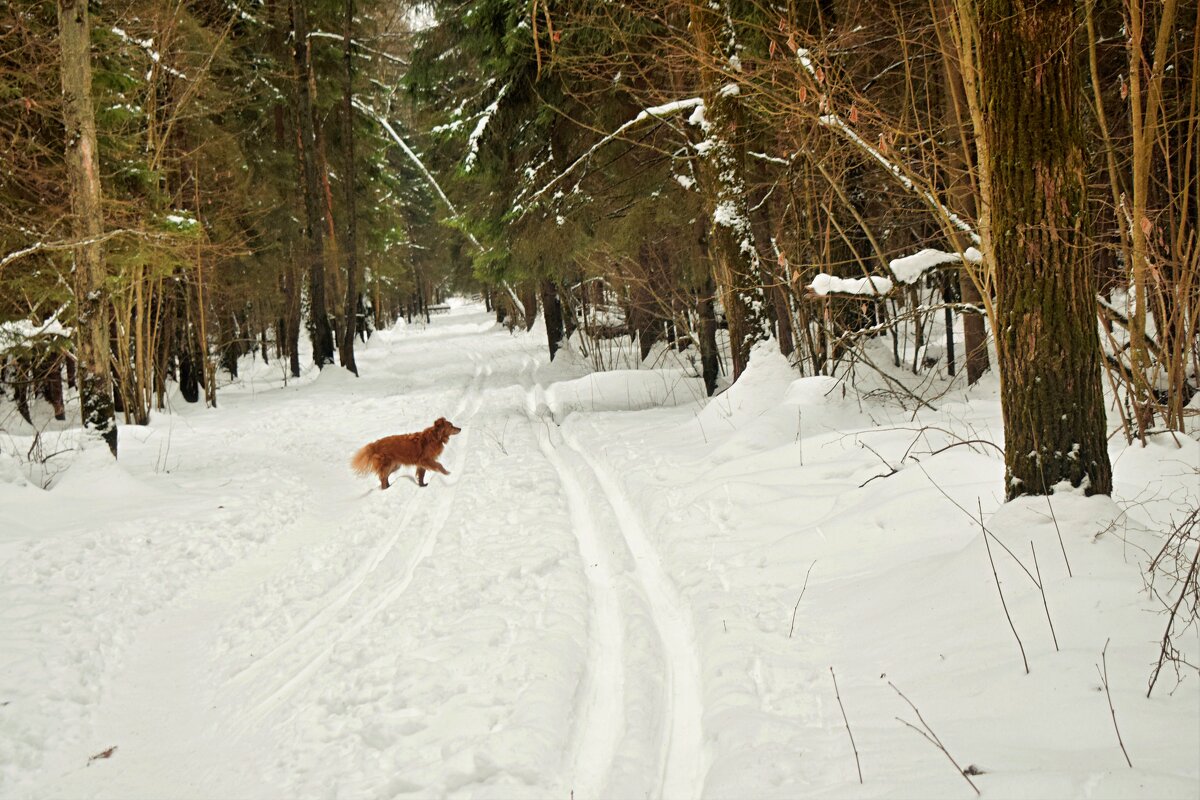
(383, 480)
(421, 476)
(436, 467)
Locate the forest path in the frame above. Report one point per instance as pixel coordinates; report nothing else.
(507, 631)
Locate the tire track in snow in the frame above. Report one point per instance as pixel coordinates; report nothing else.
(469, 404)
(683, 761)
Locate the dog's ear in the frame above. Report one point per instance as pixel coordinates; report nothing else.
(441, 422)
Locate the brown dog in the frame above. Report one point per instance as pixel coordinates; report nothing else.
(385, 456)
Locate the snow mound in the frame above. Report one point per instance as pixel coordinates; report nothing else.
(623, 390)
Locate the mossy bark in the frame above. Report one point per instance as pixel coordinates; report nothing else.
(1046, 338)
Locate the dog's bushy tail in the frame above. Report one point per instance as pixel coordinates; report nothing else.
(362, 461)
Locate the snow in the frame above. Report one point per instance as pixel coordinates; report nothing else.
(909, 269)
(480, 126)
(19, 331)
(622, 589)
(874, 285)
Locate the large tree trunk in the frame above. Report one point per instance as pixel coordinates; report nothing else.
(350, 245)
(83, 168)
(722, 173)
(311, 188)
(1046, 339)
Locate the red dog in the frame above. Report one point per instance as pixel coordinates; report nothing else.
(385, 456)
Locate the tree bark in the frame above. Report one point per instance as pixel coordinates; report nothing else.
(350, 245)
(83, 168)
(306, 151)
(709, 363)
(722, 174)
(1046, 339)
(552, 308)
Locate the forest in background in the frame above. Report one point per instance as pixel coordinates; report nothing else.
(818, 173)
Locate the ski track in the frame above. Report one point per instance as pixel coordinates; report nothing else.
(684, 762)
(599, 725)
(469, 404)
(631, 725)
(599, 716)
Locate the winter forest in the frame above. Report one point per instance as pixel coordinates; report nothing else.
(801, 398)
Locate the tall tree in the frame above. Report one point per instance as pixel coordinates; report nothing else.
(1046, 332)
(722, 174)
(311, 188)
(93, 376)
(350, 246)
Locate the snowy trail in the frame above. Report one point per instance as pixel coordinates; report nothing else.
(599, 601)
(403, 627)
(600, 511)
(600, 719)
(684, 762)
(468, 405)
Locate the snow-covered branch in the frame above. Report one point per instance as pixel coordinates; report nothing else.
(382, 121)
(838, 124)
(68, 244)
(358, 46)
(654, 112)
(480, 127)
(909, 269)
(431, 181)
(148, 46)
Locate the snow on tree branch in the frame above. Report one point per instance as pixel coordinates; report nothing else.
(431, 181)
(412, 156)
(654, 112)
(359, 46)
(909, 269)
(148, 46)
(835, 121)
(480, 127)
(873, 286)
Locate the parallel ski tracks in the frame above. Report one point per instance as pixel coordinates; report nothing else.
(601, 520)
(263, 704)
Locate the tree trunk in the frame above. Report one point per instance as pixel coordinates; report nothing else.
(554, 318)
(350, 243)
(722, 174)
(83, 168)
(1046, 339)
(709, 363)
(306, 151)
(530, 302)
(955, 106)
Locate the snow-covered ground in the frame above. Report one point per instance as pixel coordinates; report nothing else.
(620, 591)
